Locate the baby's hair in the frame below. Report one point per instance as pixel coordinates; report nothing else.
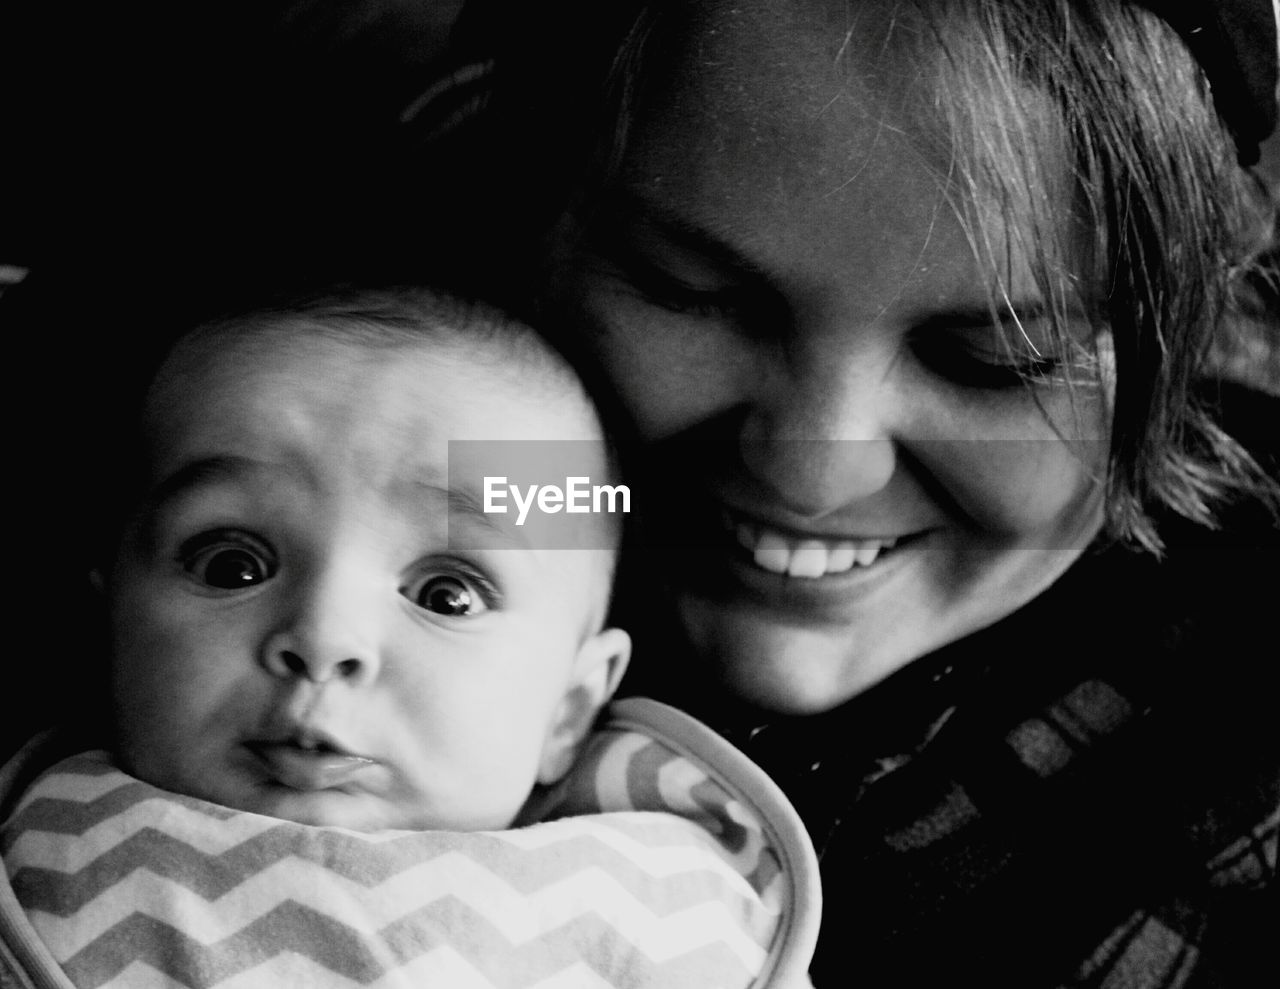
(1097, 104)
(390, 316)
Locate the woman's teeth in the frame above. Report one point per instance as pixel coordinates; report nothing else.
(780, 554)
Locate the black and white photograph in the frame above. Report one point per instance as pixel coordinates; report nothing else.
(641, 494)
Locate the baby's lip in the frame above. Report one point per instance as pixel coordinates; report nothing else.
(308, 761)
(286, 731)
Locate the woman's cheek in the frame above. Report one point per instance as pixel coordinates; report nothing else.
(1042, 493)
(671, 370)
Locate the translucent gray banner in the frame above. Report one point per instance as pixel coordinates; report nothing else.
(1041, 494)
(544, 494)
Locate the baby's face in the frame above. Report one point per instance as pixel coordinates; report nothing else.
(293, 633)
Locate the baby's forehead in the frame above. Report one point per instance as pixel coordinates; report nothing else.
(496, 357)
(448, 406)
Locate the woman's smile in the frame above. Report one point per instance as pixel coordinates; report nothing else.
(809, 555)
(807, 577)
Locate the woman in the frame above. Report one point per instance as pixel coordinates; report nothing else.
(908, 308)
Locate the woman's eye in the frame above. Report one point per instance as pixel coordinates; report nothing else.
(448, 595)
(995, 371)
(703, 303)
(985, 364)
(226, 563)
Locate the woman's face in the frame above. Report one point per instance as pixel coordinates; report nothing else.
(851, 471)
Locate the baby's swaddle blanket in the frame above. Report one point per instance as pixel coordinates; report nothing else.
(665, 859)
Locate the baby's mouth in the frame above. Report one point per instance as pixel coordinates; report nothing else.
(306, 763)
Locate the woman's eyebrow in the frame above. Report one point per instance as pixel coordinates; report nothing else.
(984, 317)
(1009, 313)
(673, 227)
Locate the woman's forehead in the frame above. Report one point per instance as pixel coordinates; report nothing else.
(814, 45)
(771, 111)
(799, 90)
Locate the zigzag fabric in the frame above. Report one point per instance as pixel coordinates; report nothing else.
(128, 885)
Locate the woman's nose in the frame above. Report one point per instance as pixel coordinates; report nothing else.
(820, 435)
(329, 632)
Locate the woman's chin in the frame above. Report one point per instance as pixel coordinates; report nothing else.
(784, 666)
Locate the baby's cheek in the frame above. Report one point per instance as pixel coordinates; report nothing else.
(168, 672)
(151, 696)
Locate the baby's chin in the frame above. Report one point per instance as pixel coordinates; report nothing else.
(357, 811)
(350, 809)
(360, 811)
(370, 801)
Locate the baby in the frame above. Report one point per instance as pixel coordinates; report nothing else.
(300, 625)
(325, 630)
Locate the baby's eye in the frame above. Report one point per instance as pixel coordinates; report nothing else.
(449, 595)
(227, 561)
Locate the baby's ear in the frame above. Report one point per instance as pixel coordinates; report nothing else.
(598, 670)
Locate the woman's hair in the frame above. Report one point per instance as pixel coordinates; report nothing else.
(1097, 103)
(1168, 247)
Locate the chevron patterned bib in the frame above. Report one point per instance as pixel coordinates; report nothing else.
(644, 870)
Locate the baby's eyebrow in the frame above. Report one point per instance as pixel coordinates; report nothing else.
(195, 474)
(462, 500)
(466, 502)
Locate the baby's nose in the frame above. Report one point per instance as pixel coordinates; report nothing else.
(329, 631)
(314, 666)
